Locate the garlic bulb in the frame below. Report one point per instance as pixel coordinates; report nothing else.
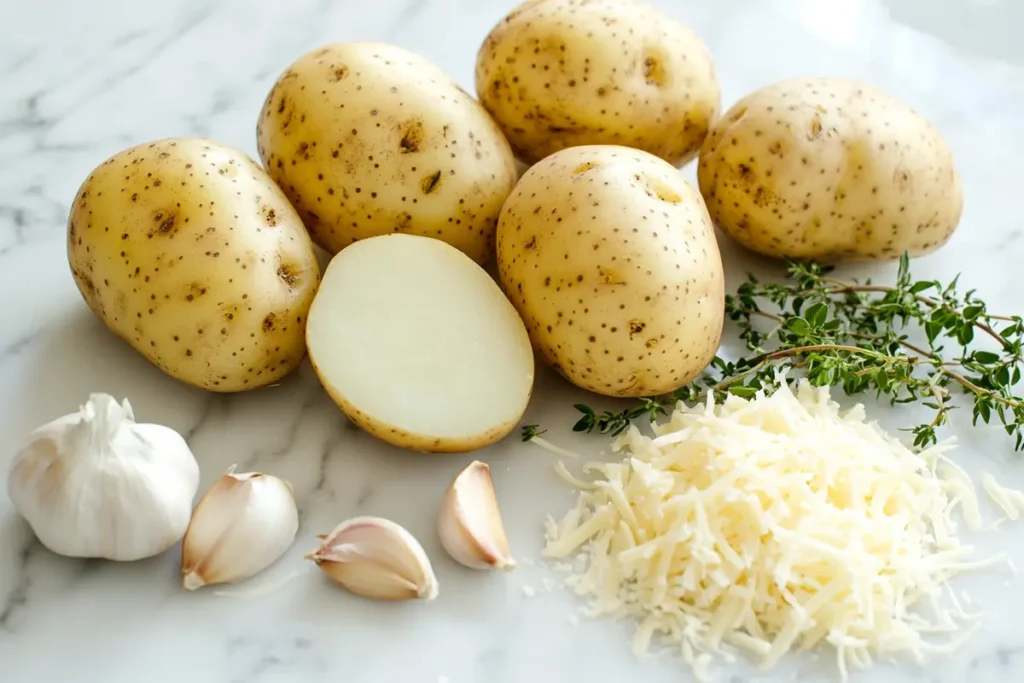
(242, 525)
(469, 524)
(98, 484)
(376, 558)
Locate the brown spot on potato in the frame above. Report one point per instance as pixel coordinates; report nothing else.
(571, 130)
(311, 219)
(165, 222)
(654, 71)
(636, 327)
(412, 137)
(763, 196)
(431, 182)
(195, 290)
(609, 276)
(339, 73)
(584, 167)
(287, 274)
(89, 288)
(815, 131)
(269, 215)
(902, 179)
(269, 322)
(403, 222)
(737, 114)
(656, 187)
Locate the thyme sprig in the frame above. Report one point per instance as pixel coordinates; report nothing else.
(862, 336)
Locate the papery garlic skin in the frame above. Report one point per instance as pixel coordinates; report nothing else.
(376, 558)
(469, 522)
(97, 484)
(242, 525)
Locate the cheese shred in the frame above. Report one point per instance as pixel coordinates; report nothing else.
(774, 523)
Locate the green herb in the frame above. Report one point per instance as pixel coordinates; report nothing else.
(531, 432)
(888, 339)
(616, 423)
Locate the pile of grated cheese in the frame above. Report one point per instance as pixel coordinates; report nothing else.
(774, 523)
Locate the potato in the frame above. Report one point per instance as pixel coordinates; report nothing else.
(829, 169)
(417, 345)
(188, 251)
(609, 256)
(562, 73)
(368, 139)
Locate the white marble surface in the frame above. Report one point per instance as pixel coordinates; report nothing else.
(81, 80)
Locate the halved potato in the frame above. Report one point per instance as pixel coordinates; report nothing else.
(418, 345)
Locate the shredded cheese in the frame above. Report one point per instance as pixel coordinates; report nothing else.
(774, 523)
(1011, 502)
(552, 448)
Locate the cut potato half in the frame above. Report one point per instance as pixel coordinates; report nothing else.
(419, 346)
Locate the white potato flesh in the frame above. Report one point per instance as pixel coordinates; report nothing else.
(419, 346)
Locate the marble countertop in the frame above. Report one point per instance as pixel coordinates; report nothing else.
(81, 80)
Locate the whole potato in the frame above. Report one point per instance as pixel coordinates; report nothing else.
(609, 256)
(829, 169)
(561, 73)
(368, 139)
(188, 251)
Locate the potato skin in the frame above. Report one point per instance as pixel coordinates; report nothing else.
(186, 250)
(403, 438)
(368, 139)
(829, 169)
(609, 255)
(562, 73)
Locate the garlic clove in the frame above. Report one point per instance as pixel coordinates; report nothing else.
(242, 525)
(469, 523)
(97, 484)
(376, 558)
